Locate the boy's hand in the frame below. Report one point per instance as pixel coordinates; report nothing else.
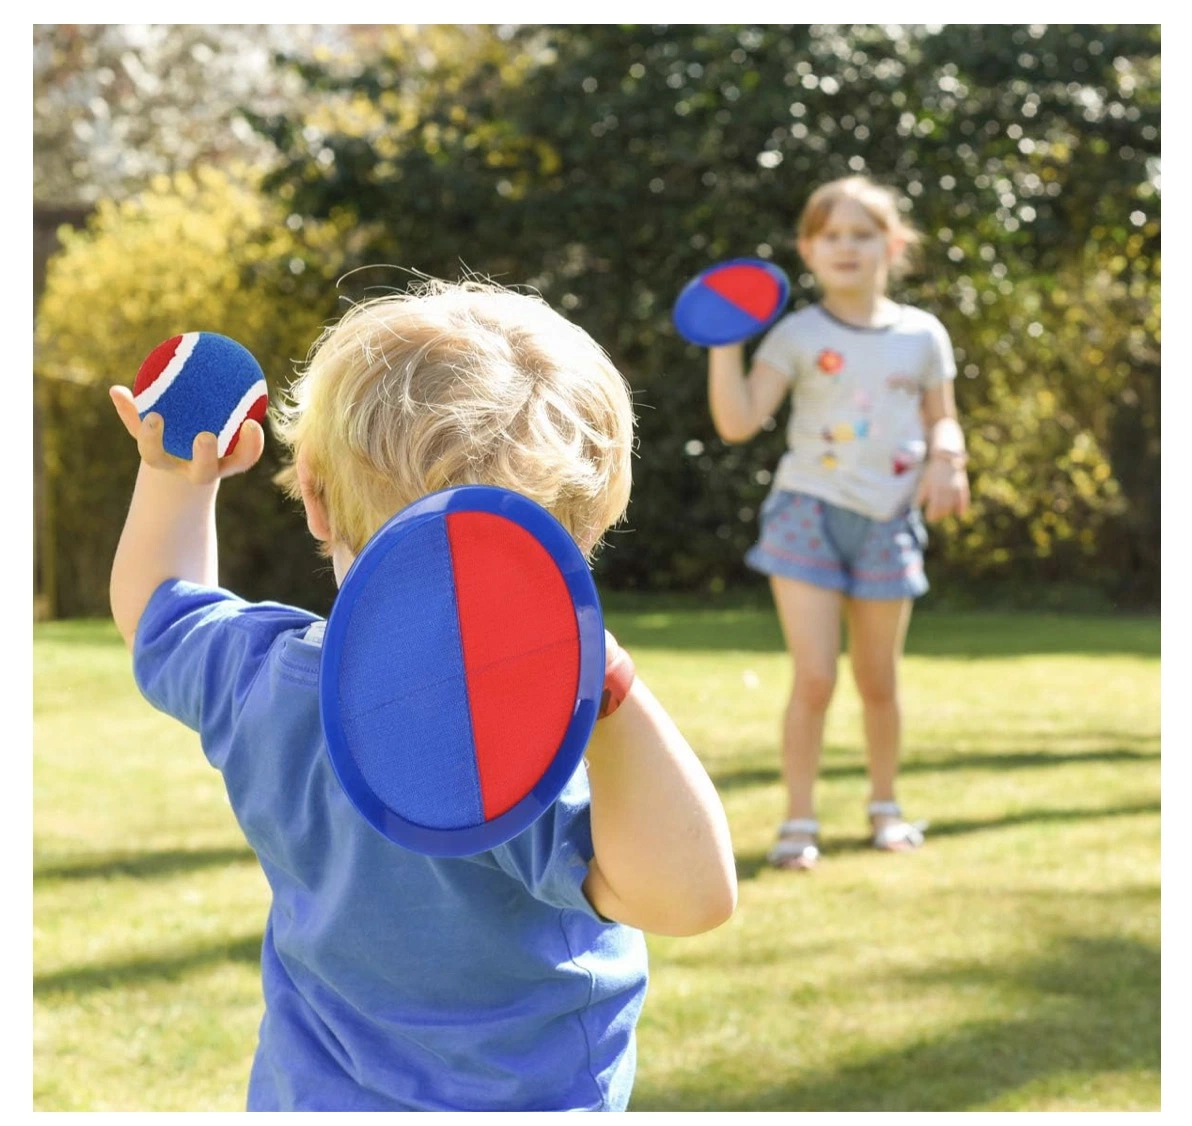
(204, 466)
(943, 490)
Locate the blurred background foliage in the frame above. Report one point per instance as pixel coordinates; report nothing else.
(604, 165)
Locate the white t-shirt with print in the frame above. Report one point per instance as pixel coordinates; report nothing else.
(855, 436)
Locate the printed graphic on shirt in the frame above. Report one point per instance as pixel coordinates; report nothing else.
(846, 431)
(829, 361)
(839, 432)
(908, 456)
(900, 381)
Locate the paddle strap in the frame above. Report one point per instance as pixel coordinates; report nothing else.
(619, 673)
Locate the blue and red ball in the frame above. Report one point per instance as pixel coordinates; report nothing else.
(201, 382)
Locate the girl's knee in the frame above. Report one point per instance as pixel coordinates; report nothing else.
(813, 688)
(878, 691)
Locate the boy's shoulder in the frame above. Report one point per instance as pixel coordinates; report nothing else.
(191, 636)
(177, 599)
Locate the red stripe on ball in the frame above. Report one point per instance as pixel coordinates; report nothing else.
(155, 363)
(257, 413)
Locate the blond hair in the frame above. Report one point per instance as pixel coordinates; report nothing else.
(453, 384)
(882, 204)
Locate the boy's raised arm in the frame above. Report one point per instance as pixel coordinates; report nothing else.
(170, 528)
(663, 855)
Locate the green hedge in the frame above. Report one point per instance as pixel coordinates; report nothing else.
(202, 253)
(604, 165)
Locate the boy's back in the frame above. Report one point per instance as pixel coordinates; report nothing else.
(392, 980)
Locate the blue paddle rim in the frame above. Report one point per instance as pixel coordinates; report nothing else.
(735, 324)
(469, 839)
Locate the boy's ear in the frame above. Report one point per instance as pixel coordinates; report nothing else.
(312, 501)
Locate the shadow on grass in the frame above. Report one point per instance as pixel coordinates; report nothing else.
(751, 625)
(973, 634)
(979, 635)
(146, 969)
(745, 777)
(1094, 1008)
(98, 632)
(750, 864)
(167, 862)
(755, 631)
(1014, 760)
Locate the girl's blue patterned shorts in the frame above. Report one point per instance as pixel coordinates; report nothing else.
(805, 538)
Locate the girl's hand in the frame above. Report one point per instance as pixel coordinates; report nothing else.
(943, 489)
(205, 466)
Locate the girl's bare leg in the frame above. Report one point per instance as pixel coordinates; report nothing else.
(877, 634)
(810, 618)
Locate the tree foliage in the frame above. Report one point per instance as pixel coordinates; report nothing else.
(117, 104)
(202, 253)
(603, 165)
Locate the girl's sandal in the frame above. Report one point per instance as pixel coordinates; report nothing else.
(897, 835)
(795, 848)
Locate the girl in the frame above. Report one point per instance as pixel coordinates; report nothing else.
(873, 435)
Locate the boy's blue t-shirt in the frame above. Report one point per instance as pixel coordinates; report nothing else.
(392, 980)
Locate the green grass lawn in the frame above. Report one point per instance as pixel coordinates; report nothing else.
(1013, 964)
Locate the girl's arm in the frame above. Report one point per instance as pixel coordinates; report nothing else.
(944, 487)
(663, 855)
(169, 532)
(740, 403)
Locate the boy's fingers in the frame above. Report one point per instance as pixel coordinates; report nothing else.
(126, 408)
(205, 464)
(204, 458)
(248, 449)
(149, 438)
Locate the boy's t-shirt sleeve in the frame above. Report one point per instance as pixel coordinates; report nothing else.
(941, 358)
(551, 857)
(198, 650)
